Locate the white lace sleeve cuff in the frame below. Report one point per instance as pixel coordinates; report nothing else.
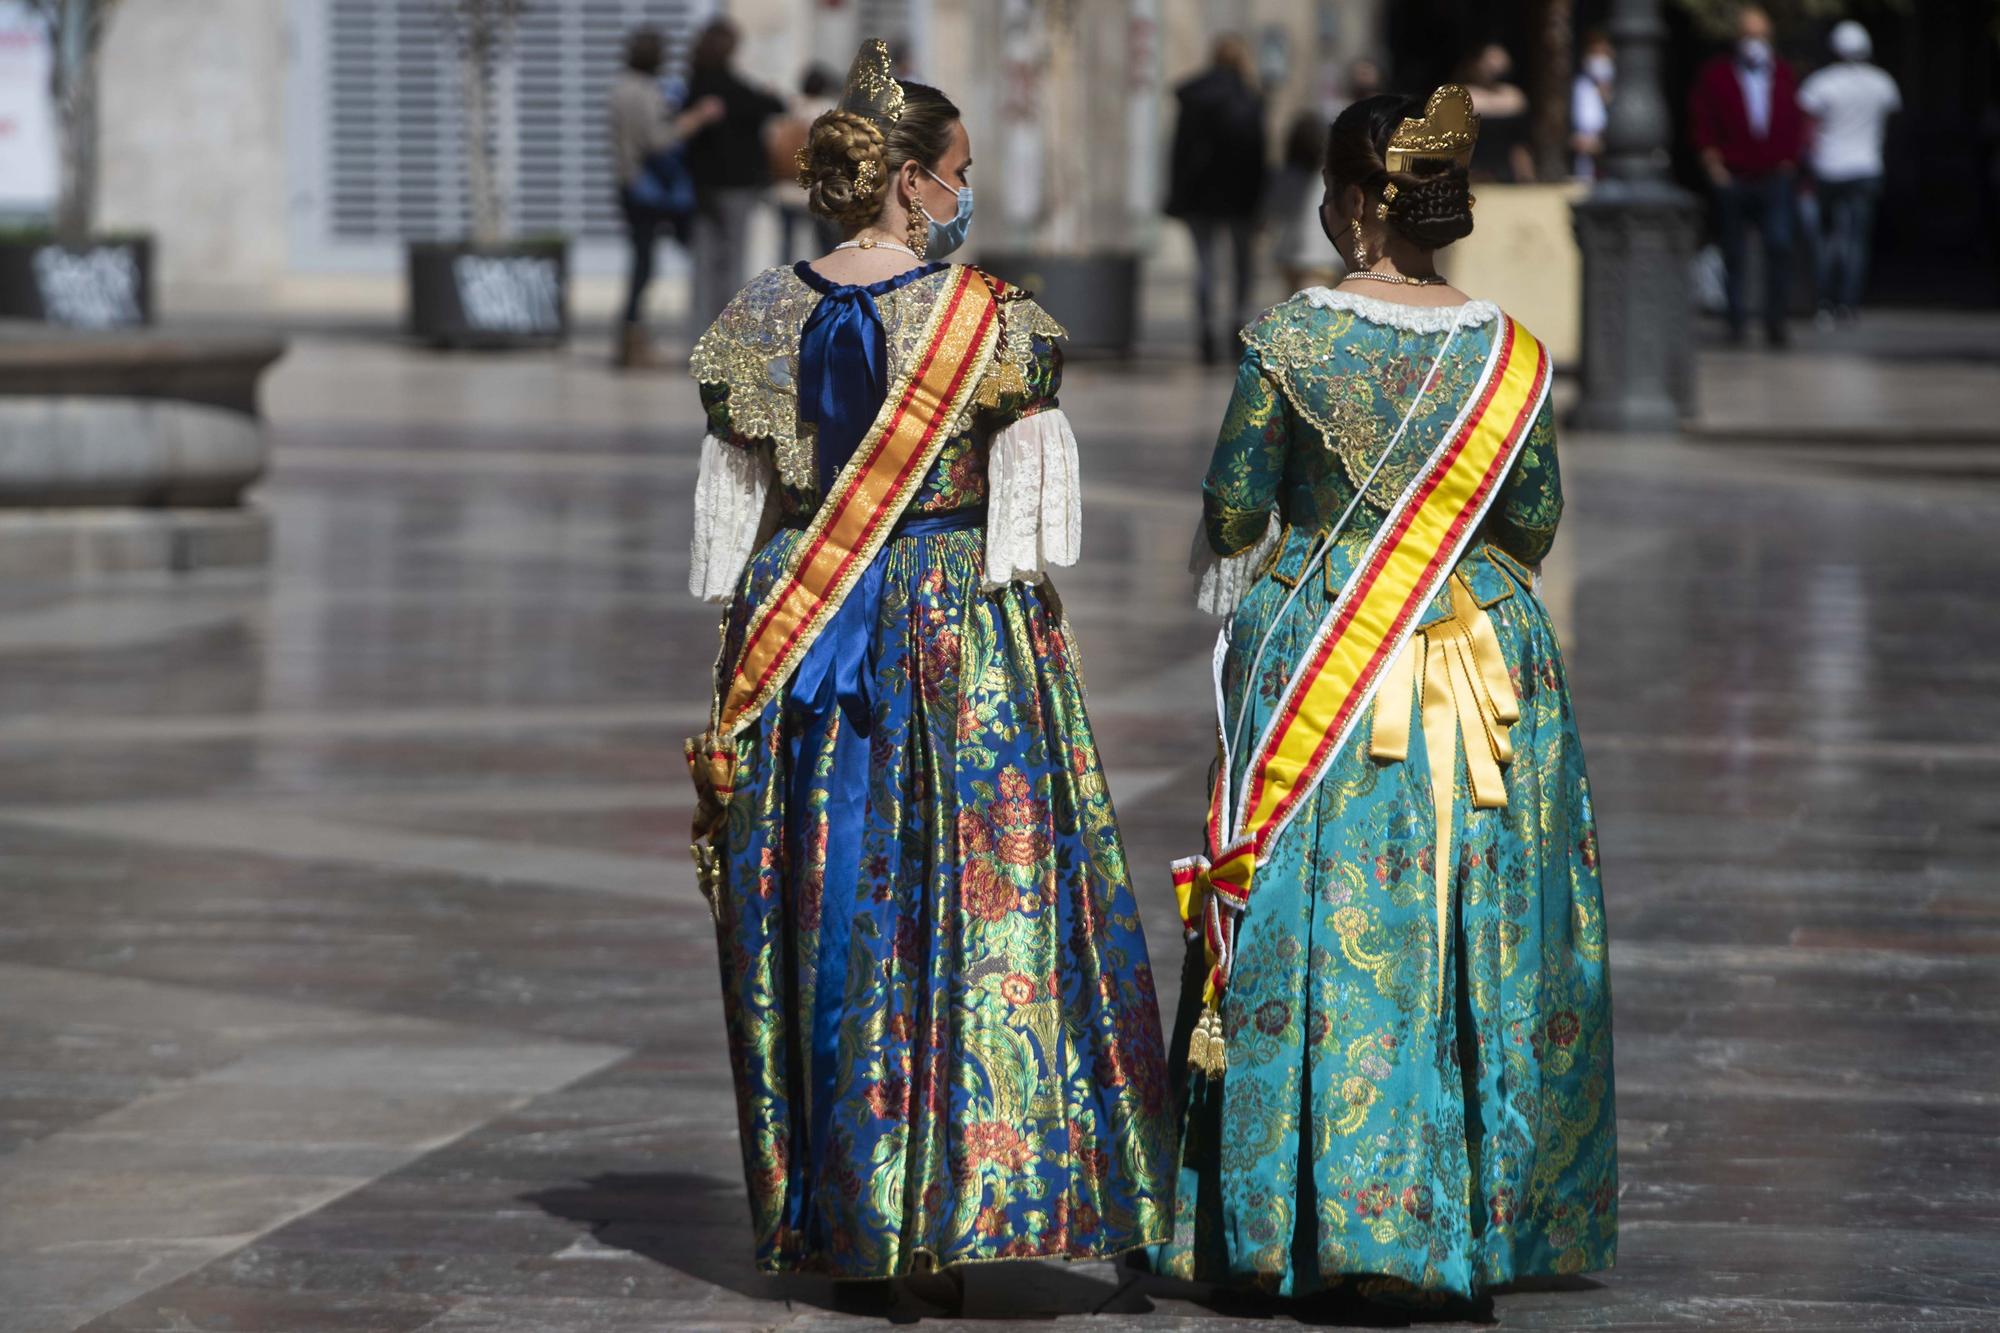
(1221, 581)
(1034, 505)
(729, 517)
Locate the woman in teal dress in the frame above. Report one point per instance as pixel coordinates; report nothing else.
(1410, 1084)
(941, 1017)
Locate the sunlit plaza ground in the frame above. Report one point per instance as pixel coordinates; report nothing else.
(352, 973)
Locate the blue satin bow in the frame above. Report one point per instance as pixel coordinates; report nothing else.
(842, 380)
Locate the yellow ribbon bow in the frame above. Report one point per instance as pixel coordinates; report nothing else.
(1458, 671)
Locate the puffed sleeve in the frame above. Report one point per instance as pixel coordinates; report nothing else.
(1239, 530)
(1530, 503)
(732, 514)
(732, 493)
(1034, 506)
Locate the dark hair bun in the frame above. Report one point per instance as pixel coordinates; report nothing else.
(1431, 204)
(1432, 209)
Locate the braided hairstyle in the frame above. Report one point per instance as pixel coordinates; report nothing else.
(1432, 202)
(849, 160)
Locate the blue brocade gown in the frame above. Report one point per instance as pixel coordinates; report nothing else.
(951, 1053)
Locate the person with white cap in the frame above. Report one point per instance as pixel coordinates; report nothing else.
(1849, 102)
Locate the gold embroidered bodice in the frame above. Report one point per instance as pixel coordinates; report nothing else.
(747, 364)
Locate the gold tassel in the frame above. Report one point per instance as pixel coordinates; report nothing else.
(1198, 1042)
(708, 876)
(1206, 1049)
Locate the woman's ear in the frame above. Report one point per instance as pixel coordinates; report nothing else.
(909, 179)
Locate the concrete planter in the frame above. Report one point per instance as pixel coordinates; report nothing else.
(104, 285)
(507, 296)
(1095, 297)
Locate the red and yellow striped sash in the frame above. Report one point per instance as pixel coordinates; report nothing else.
(867, 499)
(1402, 570)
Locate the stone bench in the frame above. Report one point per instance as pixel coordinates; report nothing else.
(130, 451)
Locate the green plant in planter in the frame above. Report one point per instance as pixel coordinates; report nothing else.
(76, 31)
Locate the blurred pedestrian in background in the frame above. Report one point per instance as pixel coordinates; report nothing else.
(787, 138)
(1364, 80)
(730, 167)
(1745, 122)
(1505, 132)
(1590, 103)
(1216, 178)
(1849, 102)
(1305, 258)
(654, 189)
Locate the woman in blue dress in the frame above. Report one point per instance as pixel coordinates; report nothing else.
(1397, 1043)
(941, 1017)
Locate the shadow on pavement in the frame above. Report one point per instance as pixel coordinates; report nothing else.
(694, 1224)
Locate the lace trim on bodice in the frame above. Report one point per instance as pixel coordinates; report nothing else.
(1334, 377)
(1408, 318)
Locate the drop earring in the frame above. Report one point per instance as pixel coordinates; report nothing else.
(1360, 246)
(919, 231)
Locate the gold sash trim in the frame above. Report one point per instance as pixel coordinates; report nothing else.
(1458, 671)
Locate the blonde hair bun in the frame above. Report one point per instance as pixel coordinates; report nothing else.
(841, 168)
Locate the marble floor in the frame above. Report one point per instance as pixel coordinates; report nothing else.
(352, 975)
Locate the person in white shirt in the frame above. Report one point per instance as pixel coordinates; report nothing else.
(1590, 103)
(1849, 102)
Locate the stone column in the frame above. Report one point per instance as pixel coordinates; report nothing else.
(1636, 231)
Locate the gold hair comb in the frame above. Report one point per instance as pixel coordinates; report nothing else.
(1447, 131)
(872, 90)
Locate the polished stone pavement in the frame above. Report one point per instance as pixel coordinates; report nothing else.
(352, 975)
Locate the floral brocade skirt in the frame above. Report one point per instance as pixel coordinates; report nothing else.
(1435, 1112)
(953, 1053)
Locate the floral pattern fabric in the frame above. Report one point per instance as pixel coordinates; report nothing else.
(1363, 1129)
(1000, 1087)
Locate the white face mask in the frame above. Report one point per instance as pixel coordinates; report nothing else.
(1599, 68)
(1754, 52)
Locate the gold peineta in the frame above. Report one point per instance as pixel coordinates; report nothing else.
(872, 90)
(1447, 132)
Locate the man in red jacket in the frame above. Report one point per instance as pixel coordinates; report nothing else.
(1745, 122)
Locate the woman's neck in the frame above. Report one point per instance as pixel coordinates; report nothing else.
(868, 256)
(1406, 258)
(1402, 259)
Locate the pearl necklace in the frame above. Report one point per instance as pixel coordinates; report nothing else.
(1434, 280)
(875, 243)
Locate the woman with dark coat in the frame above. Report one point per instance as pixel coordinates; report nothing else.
(1216, 177)
(731, 170)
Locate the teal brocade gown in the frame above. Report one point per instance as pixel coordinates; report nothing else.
(962, 1061)
(1362, 1127)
